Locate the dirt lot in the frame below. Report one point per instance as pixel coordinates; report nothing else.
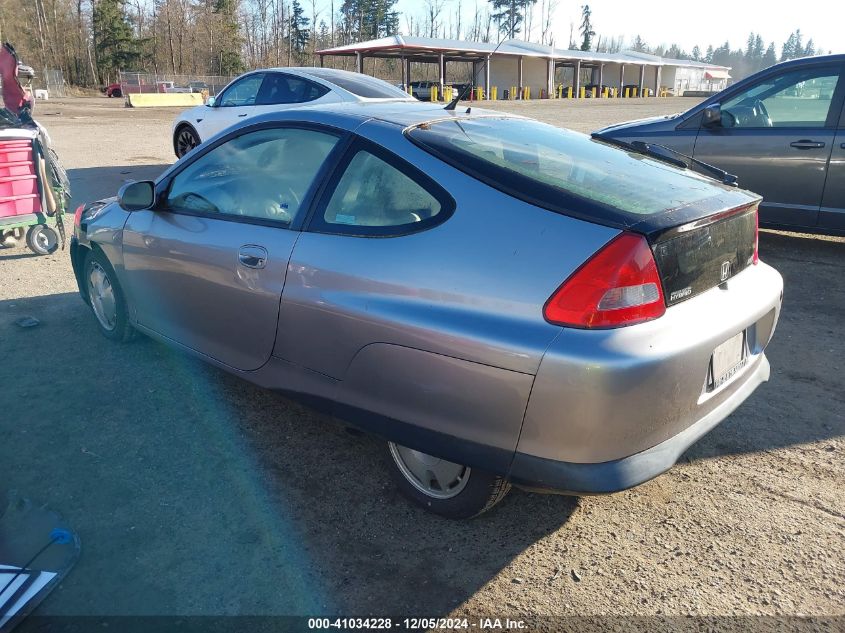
(196, 493)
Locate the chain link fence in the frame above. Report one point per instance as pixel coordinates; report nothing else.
(54, 81)
(138, 83)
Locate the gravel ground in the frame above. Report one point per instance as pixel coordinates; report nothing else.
(196, 493)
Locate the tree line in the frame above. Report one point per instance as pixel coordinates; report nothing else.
(91, 40)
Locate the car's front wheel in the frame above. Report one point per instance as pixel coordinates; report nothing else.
(106, 298)
(184, 140)
(443, 487)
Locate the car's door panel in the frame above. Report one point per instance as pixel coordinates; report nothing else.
(832, 214)
(789, 179)
(207, 266)
(189, 285)
(776, 136)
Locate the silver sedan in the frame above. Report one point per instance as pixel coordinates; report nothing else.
(501, 300)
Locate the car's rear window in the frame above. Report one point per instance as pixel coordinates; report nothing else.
(361, 85)
(560, 169)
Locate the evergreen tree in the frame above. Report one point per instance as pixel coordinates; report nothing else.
(509, 15)
(749, 48)
(587, 31)
(639, 45)
(708, 56)
(369, 19)
(696, 53)
(115, 46)
(787, 51)
(757, 54)
(299, 31)
(810, 49)
(227, 51)
(770, 56)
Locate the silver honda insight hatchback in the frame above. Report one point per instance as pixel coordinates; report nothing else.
(503, 301)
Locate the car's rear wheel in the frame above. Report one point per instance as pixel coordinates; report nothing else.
(106, 298)
(443, 487)
(42, 239)
(184, 140)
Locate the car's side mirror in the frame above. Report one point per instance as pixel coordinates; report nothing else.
(210, 102)
(136, 196)
(712, 115)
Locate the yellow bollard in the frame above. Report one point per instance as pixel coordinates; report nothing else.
(494, 93)
(605, 92)
(582, 92)
(593, 92)
(433, 96)
(627, 92)
(512, 93)
(569, 92)
(479, 93)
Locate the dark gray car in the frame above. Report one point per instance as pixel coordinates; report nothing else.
(502, 300)
(781, 131)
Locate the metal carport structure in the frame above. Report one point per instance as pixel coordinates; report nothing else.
(518, 63)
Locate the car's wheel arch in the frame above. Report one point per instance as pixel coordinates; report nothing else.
(181, 125)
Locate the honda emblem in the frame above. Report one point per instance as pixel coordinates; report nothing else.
(726, 271)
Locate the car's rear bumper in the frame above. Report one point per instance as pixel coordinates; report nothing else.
(612, 408)
(589, 479)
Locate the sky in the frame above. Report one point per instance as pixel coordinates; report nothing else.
(686, 23)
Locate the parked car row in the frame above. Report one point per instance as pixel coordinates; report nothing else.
(628, 314)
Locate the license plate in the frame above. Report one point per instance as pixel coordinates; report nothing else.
(727, 360)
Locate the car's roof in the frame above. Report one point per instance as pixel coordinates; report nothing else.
(350, 115)
(355, 85)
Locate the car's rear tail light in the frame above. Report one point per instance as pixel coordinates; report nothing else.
(617, 286)
(77, 216)
(756, 257)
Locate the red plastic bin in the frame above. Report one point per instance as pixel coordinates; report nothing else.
(20, 206)
(15, 151)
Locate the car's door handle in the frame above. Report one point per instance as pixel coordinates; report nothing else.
(807, 144)
(252, 256)
(240, 116)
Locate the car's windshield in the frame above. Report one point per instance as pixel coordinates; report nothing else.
(554, 167)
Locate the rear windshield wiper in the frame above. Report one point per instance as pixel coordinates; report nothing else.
(668, 155)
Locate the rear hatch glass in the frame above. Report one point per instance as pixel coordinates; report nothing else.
(568, 172)
(360, 85)
(701, 231)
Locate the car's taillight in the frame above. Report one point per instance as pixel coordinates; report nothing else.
(756, 257)
(77, 216)
(617, 286)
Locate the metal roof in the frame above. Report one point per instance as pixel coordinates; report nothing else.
(425, 47)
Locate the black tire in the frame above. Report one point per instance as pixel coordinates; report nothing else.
(185, 138)
(121, 330)
(481, 491)
(42, 239)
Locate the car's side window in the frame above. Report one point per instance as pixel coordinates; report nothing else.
(375, 197)
(264, 174)
(243, 92)
(800, 98)
(279, 88)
